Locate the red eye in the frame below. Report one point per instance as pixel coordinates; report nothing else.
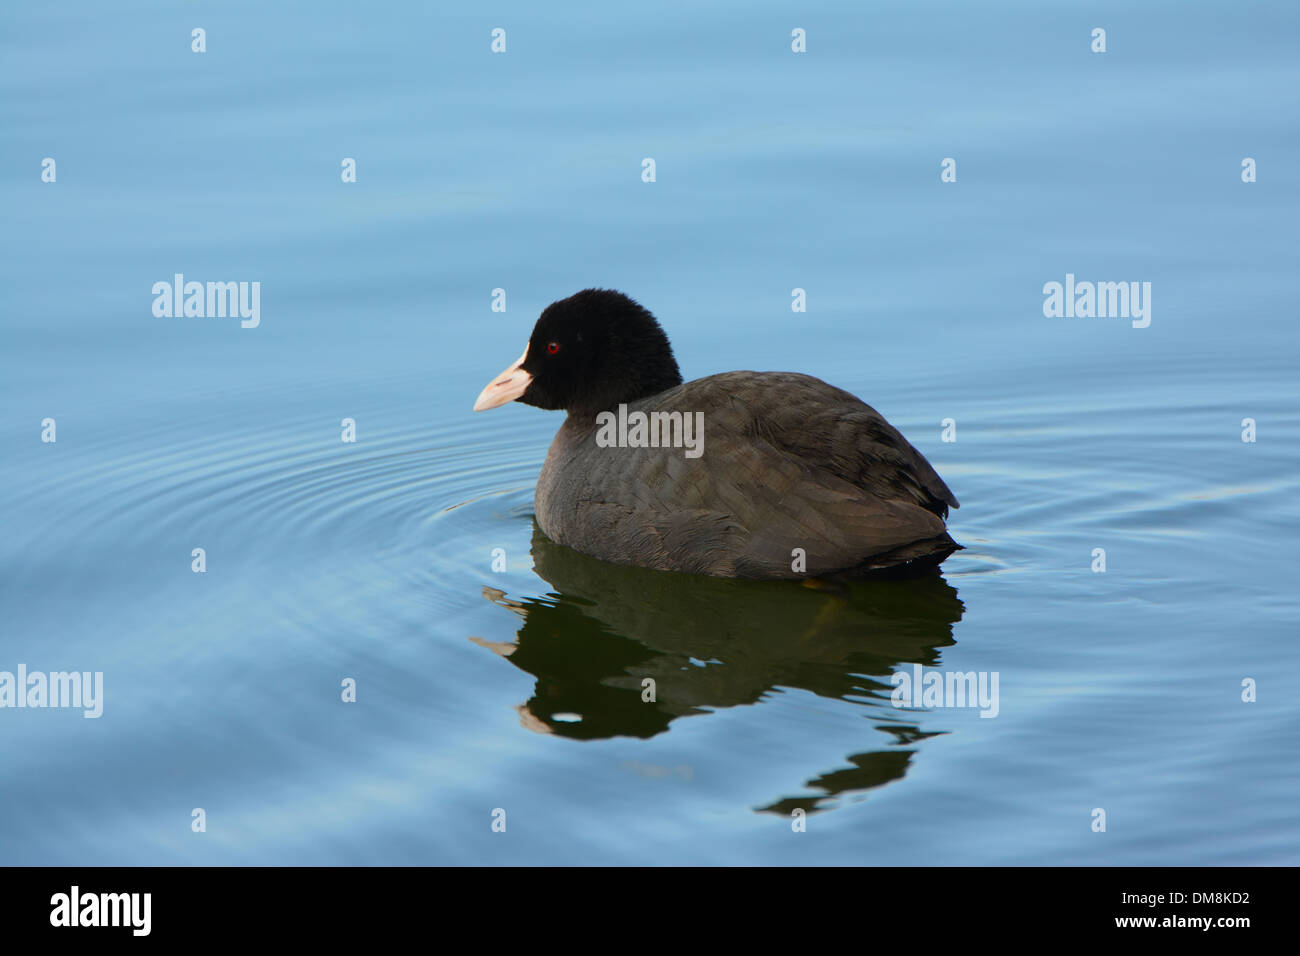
(552, 348)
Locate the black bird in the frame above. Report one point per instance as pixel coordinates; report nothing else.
(792, 478)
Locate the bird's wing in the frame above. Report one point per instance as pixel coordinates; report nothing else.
(787, 462)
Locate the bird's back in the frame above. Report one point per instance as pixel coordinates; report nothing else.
(786, 462)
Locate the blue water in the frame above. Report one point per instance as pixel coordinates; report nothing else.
(520, 690)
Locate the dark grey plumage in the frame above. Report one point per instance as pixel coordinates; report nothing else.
(788, 462)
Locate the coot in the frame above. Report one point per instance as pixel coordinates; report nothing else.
(742, 474)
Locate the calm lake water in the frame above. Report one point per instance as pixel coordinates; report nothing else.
(520, 689)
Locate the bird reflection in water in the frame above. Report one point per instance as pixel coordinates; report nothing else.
(607, 631)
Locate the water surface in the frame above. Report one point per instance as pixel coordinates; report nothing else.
(521, 689)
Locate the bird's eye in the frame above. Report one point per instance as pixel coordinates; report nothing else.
(552, 348)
